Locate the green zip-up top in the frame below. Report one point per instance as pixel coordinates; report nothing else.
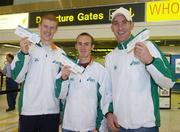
(133, 97)
(37, 71)
(83, 93)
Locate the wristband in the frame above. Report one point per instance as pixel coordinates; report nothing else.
(151, 61)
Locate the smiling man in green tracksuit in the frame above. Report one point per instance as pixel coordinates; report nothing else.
(132, 103)
(83, 92)
(35, 67)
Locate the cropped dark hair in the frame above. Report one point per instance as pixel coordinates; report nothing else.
(11, 56)
(86, 34)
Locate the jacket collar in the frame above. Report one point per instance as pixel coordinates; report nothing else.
(123, 45)
(90, 61)
(52, 46)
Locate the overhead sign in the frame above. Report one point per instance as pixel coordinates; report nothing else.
(11, 21)
(163, 11)
(85, 16)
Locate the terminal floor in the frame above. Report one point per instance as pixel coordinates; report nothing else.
(170, 118)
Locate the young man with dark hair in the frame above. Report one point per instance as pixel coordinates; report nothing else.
(83, 92)
(132, 103)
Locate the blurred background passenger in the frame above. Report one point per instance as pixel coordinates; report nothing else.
(10, 83)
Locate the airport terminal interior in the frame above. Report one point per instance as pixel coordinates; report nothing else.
(166, 34)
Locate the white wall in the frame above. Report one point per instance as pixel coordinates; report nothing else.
(170, 50)
(165, 30)
(2, 60)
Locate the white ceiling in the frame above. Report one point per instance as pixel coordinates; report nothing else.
(79, 3)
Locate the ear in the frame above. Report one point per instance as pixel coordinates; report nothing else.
(76, 46)
(112, 28)
(39, 26)
(132, 25)
(92, 47)
(56, 29)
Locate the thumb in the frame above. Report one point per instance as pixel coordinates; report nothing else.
(116, 122)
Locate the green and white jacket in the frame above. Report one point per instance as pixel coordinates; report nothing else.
(83, 93)
(133, 95)
(37, 71)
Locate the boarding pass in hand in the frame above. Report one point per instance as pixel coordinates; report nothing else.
(140, 37)
(24, 32)
(64, 60)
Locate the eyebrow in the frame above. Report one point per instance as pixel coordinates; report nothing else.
(84, 42)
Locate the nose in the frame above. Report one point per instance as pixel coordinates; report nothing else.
(48, 29)
(120, 26)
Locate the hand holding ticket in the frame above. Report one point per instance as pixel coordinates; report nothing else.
(24, 32)
(140, 37)
(34, 38)
(66, 61)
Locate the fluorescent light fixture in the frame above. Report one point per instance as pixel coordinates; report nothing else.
(11, 46)
(103, 50)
